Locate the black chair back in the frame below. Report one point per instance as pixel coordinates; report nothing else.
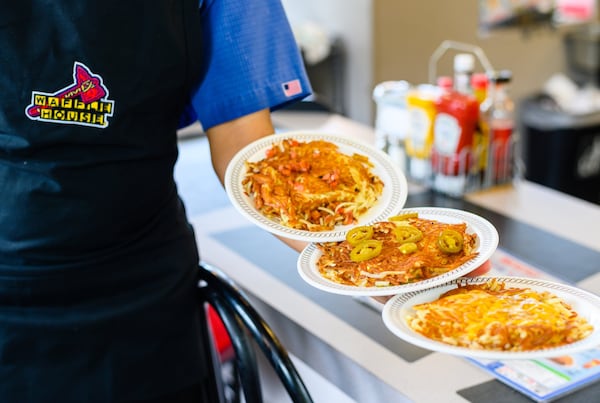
(246, 327)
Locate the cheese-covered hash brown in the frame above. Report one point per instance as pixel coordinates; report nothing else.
(311, 185)
(396, 252)
(491, 316)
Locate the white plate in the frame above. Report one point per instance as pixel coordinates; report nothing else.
(394, 194)
(584, 303)
(487, 242)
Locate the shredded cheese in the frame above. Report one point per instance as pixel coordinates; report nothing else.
(491, 317)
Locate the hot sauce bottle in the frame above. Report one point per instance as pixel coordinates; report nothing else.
(498, 120)
(479, 83)
(457, 114)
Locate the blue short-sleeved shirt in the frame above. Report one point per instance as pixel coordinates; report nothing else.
(250, 63)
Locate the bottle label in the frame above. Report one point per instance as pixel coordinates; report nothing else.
(420, 127)
(447, 134)
(393, 120)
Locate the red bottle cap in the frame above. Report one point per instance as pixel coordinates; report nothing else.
(479, 80)
(445, 82)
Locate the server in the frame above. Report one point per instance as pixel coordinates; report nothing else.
(97, 260)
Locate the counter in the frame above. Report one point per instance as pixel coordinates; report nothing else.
(341, 341)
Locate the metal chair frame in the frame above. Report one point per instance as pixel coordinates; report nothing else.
(245, 326)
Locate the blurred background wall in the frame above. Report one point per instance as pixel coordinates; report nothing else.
(394, 39)
(350, 22)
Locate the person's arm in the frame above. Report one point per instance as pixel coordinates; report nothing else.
(226, 139)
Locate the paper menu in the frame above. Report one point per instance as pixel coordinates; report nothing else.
(542, 380)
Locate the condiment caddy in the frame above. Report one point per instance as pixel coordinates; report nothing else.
(458, 132)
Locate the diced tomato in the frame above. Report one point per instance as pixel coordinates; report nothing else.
(271, 152)
(304, 166)
(348, 218)
(285, 170)
(332, 178)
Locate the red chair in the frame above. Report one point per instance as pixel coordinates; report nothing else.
(220, 335)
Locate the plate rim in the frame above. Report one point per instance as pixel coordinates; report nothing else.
(398, 302)
(310, 252)
(397, 190)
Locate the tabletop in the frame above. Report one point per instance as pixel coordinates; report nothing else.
(343, 338)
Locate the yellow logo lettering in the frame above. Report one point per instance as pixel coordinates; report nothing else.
(53, 102)
(59, 114)
(40, 100)
(99, 119)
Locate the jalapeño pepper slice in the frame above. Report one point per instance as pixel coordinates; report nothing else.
(366, 250)
(450, 241)
(359, 234)
(408, 248)
(407, 233)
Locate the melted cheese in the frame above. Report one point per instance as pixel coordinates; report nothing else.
(492, 317)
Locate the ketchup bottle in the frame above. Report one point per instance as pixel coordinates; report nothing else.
(454, 127)
(457, 115)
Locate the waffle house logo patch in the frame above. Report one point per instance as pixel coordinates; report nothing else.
(85, 102)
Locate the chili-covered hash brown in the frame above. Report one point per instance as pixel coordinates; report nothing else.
(399, 251)
(490, 316)
(311, 185)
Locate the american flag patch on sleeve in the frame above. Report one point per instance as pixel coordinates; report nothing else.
(292, 88)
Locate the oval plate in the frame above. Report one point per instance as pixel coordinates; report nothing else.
(395, 189)
(487, 242)
(585, 303)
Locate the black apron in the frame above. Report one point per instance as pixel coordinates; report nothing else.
(97, 260)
